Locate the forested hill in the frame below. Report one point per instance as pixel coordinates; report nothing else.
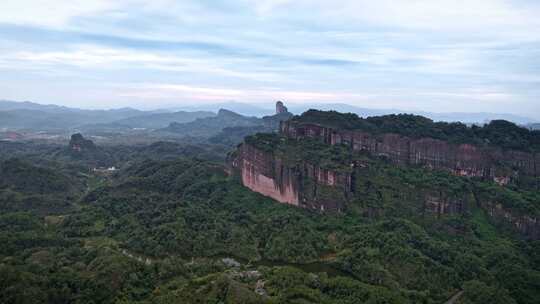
(172, 223)
(166, 231)
(499, 133)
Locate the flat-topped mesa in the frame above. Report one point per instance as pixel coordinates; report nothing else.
(466, 151)
(330, 177)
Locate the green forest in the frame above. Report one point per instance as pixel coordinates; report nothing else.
(270, 152)
(165, 230)
(499, 133)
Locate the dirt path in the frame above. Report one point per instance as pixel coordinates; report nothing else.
(454, 298)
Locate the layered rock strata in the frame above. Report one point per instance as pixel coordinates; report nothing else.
(303, 185)
(462, 159)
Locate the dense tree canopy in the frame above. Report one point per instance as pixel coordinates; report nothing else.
(499, 133)
(158, 230)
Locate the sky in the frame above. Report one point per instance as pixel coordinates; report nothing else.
(428, 55)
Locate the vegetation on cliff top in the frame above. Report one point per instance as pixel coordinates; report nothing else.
(293, 152)
(498, 133)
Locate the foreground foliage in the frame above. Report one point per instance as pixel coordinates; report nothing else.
(157, 231)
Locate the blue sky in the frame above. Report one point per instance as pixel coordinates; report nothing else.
(431, 55)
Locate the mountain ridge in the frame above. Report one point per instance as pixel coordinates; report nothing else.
(248, 109)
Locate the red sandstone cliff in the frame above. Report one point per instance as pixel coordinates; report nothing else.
(307, 185)
(263, 173)
(299, 184)
(462, 159)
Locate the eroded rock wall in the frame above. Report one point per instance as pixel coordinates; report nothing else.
(308, 185)
(461, 159)
(526, 225)
(261, 173)
(302, 184)
(440, 204)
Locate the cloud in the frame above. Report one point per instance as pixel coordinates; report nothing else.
(191, 93)
(57, 13)
(515, 18)
(399, 53)
(431, 15)
(96, 57)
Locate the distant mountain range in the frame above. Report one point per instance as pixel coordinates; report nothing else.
(225, 124)
(237, 107)
(149, 121)
(465, 117)
(7, 105)
(28, 115)
(211, 125)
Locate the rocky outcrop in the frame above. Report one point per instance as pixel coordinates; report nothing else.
(526, 225)
(439, 204)
(272, 122)
(79, 144)
(462, 159)
(281, 108)
(304, 185)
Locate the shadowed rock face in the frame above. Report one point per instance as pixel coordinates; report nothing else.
(301, 185)
(263, 174)
(461, 159)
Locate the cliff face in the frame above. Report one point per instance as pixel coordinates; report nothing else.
(461, 159)
(439, 204)
(310, 186)
(264, 174)
(325, 175)
(526, 225)
(304, 185)
(468, 160)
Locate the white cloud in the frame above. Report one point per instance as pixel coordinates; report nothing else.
(190, 92)
(481, 16)
(51, 13)
(491, 15)
(311, 50)
(472, 94)
(92, 57)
